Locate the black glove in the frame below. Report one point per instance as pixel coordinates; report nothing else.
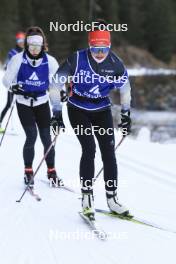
(17, 89)
(64, 96)
(57, 121)
(125, 122)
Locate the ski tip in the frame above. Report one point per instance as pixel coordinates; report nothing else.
(18, 201)
(103, 237)
(98, 232)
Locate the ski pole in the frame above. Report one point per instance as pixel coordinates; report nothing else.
(12, 107)
(44, 157)
(118, 145)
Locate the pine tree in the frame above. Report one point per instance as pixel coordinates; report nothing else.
(159, 28)
(9, 25)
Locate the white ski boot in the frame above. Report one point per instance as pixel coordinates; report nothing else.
(88, 203)
(114, 205)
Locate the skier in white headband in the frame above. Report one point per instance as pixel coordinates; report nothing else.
(28, 76)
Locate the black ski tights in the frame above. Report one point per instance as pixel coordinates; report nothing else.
(103, 120)
(31, 118)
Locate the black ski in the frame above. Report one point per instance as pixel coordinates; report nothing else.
(134, 219)
(94, 226)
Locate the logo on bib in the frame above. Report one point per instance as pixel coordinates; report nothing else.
(34, 77)
(34, 80)
(95, 90)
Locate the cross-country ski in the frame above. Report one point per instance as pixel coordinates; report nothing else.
(135, 219)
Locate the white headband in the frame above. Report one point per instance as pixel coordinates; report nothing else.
(35, 40)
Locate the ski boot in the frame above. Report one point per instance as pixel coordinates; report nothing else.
(114, 205)
(53, 178)
(28, 177)
(88, 203)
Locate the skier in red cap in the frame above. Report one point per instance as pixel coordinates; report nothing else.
(19, 37)
(89, 106)
(100, 38)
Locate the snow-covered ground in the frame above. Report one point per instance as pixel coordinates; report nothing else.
(51, 231)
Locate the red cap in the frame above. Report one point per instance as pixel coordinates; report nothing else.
(99, 38)
(20, 35)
